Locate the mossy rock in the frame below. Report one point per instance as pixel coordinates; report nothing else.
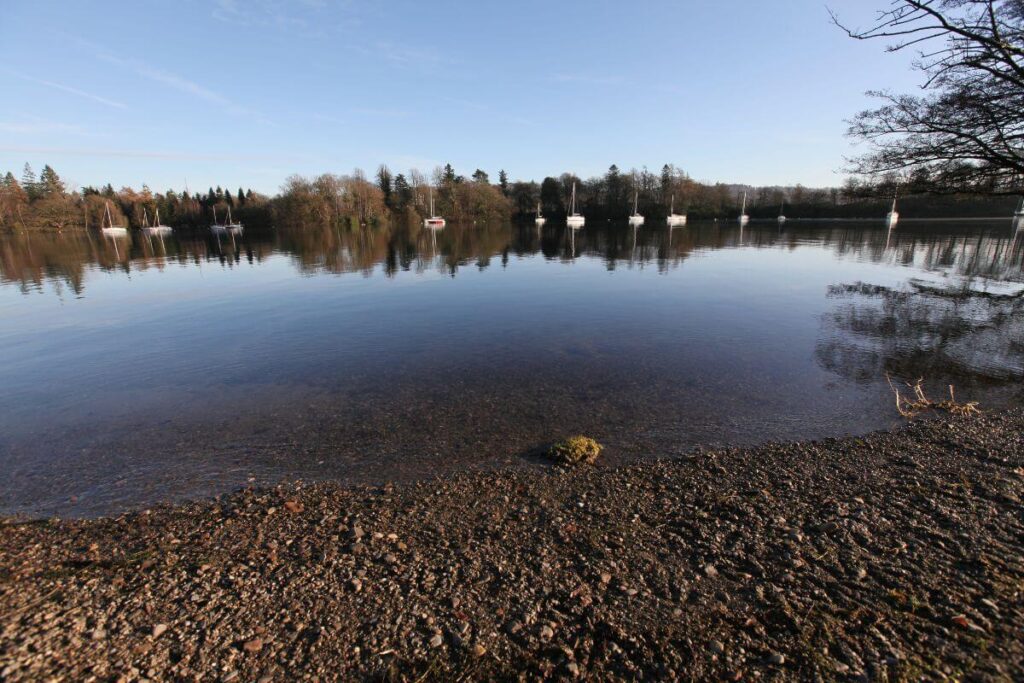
(576, 450)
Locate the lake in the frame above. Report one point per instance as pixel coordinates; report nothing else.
(141, 371)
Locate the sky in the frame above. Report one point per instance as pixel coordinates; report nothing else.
(248, 92)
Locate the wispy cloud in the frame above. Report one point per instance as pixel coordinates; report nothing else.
(146, 154)
(586, 79)
(31, 127)
(302, 16)
(70, 90)
(382, 113)
(184, 85)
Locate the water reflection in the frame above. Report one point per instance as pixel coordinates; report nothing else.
(984, 250)
(178, 366)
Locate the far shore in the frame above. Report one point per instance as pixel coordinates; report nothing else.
(893, 556)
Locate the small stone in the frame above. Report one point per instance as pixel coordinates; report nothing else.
(606, 577)
(777, 658)
(390, 558)
(437, 640)
(716, 647)
(357, 532)
(710, 571)
(294, 506)
(479, 650)
(229, 676)
(254, 645)
(356, 584)
(159, 630)
(573, 669)
(546, 633)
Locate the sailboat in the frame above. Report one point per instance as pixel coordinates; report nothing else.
(574, 220)
(111, 230)
(434, 222)
(675, 219)
(782, 212)
(216, 227)
(156, 228)
(636, 219)
(893, 217)
(233, 228)
(539, 220)
(744, 218)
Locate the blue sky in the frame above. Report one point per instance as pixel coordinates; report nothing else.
(246, 92)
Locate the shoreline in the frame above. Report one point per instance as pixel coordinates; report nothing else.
(898, 553)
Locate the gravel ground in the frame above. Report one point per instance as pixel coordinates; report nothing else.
(899, 555)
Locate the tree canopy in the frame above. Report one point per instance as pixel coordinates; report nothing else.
(966, 132)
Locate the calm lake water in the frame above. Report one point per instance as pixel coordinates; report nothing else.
(141, 371)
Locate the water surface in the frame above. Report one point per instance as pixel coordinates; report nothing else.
(141, 371)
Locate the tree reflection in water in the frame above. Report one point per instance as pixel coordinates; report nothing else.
(944, 333)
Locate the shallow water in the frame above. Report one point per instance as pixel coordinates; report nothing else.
(144, 371)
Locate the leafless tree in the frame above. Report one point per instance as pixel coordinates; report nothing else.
(966, 132)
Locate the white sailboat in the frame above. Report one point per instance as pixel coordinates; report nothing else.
(893, 217)
(574, 220)
(233, 228)
(215, 227)
(434, 222)
(539, 220)
(744, 218)
(156, 228)
(111, 230)
(782, 212)
(674, 219)
(636, 219)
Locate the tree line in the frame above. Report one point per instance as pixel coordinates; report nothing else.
(43, 202)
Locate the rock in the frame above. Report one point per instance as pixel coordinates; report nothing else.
(710, 571)
(357, 532)
(479, 650)
(574, 669)
(437, 640)
(159, 630)
(777, 658)
(294, 506)
(254, 645)
(606, 577)
(390, 558)
(716, 647)
(229, 676)
(546, 633)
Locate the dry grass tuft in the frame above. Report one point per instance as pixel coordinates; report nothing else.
(917, 403)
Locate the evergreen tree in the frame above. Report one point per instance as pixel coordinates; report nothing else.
(220, 192)
(481, 177)
(449, 174)
(29, 183)
(9, 180)
(402, 192)
(384, 183)
(211, 198)
(503, 181)
(228, 198)
(241, 197)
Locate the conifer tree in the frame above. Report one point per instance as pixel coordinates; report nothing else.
(503, 181)
(241, 197)
(29, 182)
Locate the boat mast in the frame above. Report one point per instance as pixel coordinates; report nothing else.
(743, 209)
(572, 205)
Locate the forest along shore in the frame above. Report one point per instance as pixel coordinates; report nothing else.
(897, 554)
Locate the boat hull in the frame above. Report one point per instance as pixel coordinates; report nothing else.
(575, 221)
(434, 223)
(115, 232)
(744, 219)
(636, 221)
(158, 230)
(675, 220)
(539, 221)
